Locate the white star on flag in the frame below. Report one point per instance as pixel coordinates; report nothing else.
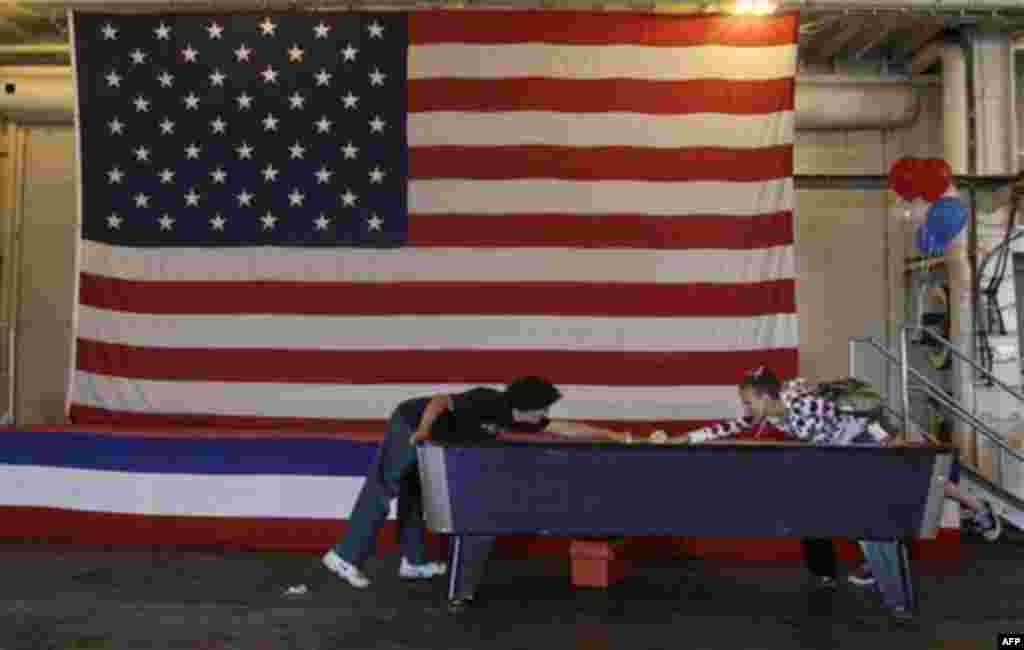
(297, 150)
(191, 102)
(142, 154)
(349, 53)
(192, 199)
(115, 176)
(268, 221)
(322, 29)
(245, 199)
(163, 32)
(141, 201)
(244, 101)
(109, 32)
(376, 30)
(297, 101)
(141, 104)
(114, 221)
(350, 151)
(166, 176)
(219, 175)
(322, 222)
(377, 125)
(295, 54)
(376, 175)
(269, 174)
(166, 222)
(116, 127)
(214, 30)
(323, 78)
(350, 100)
(270, 123)
(192, 152)
(166, 79)
(219, 125)
(217, 223)
(374, 222)
(323, 125)
(166, 127)
(138, 56)
(242, 53)
(269, 75)
(114, 79)
(217, 77)
(377, 77)
(244, 151)
(348, 199)
(267, 27)
(190, 54)
(323, 175)
(295, 198)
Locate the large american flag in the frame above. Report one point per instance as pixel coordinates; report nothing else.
(293, 222)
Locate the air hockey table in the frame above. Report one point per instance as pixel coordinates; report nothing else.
(883, 495)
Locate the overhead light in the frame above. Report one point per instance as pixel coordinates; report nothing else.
(754, 7)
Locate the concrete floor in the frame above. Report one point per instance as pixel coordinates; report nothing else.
(60, 598)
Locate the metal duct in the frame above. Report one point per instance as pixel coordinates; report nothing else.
(37, 94)
(995, 124)
(854, 103)
(954, 108)
(44, 95)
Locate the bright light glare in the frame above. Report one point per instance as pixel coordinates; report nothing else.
(754, 7)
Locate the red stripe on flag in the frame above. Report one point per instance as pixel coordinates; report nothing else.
(197, 425)
(433, 298)
(601, 163)
(604, 28)
(740, 97)
(602, 231)
(420, 366)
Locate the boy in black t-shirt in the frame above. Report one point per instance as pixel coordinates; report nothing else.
(475, 415)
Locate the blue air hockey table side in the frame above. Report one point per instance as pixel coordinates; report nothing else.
(884, 495)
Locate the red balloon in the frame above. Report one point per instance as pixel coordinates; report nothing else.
(936, 176)
(901, 178)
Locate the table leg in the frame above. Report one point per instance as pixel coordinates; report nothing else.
(469, 557)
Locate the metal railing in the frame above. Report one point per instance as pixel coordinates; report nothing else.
(937, 393)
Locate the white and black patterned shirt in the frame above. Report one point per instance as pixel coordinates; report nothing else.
(808, 417)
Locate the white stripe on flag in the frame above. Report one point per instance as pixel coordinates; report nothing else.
(544, 196)
(194, 495)
(476, 265)
(378, 400)
(439, 332)
(464, 128)
(519, 61)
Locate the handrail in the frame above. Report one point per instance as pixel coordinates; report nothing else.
(960, 355)
(941, 396)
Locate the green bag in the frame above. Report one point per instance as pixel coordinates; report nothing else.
(854, 397)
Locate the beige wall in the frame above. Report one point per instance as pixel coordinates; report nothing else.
(850, 248)
(852, 243)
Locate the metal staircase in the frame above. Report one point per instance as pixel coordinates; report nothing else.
(1009, 504)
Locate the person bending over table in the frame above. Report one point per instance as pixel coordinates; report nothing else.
(475, 415)
(798, 411)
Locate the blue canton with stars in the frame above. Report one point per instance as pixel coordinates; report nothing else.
(243, 130)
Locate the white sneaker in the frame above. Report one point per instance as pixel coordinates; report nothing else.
(421, 571)
(347, 572)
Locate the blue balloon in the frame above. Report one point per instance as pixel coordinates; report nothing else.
(927, 243)
(946, 219)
